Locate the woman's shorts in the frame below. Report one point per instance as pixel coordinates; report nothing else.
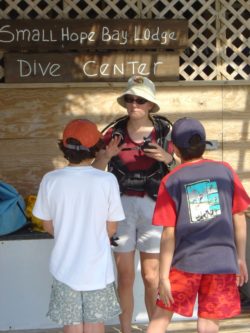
(218, 295)
(71, 307)
(137, 231)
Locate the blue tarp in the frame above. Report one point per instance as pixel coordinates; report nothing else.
(12, 209)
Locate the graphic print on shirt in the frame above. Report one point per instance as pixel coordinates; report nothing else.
(203, 201)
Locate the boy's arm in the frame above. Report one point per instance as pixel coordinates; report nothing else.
(111, 228)
(240, 234)
(48, 227)
(166, 256)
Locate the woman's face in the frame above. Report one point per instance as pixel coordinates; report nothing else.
(137, 107)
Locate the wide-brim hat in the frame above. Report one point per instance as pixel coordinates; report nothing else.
(140, 86)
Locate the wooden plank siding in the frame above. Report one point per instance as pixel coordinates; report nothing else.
(32, 120)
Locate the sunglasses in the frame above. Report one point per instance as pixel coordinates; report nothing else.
(139, 100)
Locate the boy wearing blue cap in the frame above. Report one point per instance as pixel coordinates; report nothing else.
(201, 206)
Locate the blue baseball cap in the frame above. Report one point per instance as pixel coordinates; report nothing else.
(184, 129)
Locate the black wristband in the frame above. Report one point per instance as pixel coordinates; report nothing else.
(171, 162)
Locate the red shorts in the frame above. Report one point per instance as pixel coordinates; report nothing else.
(218, 294)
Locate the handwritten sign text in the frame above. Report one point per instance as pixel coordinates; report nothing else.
(69, 35)
(69, 67)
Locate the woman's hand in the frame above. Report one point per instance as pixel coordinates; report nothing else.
(158, 153)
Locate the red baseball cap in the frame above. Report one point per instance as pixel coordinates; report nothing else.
(82, 130)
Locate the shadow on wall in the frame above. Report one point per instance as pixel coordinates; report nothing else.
(32, 120)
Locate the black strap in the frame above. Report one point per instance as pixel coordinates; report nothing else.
(161, 124)
(146, 180)
(114, 123)
(21, 208)
(28, 220)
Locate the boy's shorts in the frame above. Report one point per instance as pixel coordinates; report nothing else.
(218, 294)
(70, 307)
(137, 231)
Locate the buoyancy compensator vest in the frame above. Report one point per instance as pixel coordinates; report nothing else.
(141, 180)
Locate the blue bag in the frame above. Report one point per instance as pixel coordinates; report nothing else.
(12, 206)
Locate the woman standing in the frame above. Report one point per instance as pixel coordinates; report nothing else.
(139, 153)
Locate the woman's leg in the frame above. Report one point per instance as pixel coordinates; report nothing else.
(207, 325)
(160, 320)
(125, 262)
(150, 276)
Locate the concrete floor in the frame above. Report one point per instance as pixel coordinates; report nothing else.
(109, 329)
(240, 324)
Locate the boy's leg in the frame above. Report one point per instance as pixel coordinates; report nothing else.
(207, 325)
(94, 328)
(218, 299)
(73, 328)
(160, 321)
(84, 328)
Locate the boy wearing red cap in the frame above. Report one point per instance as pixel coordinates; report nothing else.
(80, 206)
(201, 206)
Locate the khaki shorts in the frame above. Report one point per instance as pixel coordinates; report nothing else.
(137, 231)
(71, 307)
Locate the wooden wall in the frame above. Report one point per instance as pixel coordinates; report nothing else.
(32, 119)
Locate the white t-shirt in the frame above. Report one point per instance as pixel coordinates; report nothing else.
(79, 200)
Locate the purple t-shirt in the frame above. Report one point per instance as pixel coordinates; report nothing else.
(199, 199)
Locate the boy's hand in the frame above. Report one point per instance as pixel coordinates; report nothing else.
(165, 292)
(111, 150)
(243, 276)
(113, 240)
(114, 147)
